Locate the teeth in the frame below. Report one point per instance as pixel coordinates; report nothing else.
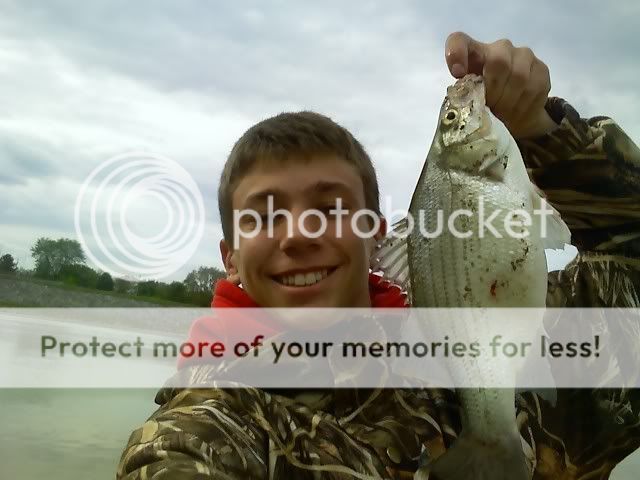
(303, 279)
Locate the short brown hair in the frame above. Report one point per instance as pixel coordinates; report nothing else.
(283, 136)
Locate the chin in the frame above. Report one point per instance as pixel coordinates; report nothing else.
(317, 302)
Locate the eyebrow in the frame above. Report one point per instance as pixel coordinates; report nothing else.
(324, 186)
(263, 195)
(321, 186)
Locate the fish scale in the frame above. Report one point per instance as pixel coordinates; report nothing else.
(474, 159)
(454, 274)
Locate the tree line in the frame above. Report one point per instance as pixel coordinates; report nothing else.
(63, 260)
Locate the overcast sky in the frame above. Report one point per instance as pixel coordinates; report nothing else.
(83, 81)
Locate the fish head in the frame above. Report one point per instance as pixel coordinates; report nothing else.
(471, 138)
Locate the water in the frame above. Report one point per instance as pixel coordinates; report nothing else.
(65, 434)
(62, 434)
(21, 354)
(58, 434)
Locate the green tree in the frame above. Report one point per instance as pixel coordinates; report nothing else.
(79, 275)
(147, 288)
(52, 255)
(199, 285)
(25, 273)
(124, 286)
(176, 291)
(203, 279)
(105, 282)
(8, 264)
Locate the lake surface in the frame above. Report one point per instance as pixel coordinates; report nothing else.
(67, 434)
(62, 434)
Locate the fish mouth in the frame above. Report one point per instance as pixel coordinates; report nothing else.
(303, 278)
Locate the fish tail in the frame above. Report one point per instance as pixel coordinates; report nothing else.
(475, 458)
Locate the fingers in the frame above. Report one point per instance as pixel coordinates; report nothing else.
(521, 104)
(517, 83)
(535, 94)
(516, 80)
(464, 54)
(497, 71)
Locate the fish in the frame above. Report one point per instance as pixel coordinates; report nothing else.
(474, 166)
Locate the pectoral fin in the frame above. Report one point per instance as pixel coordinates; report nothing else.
(391, 257)
(553, 230)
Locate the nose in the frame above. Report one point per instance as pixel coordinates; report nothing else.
(303, 233)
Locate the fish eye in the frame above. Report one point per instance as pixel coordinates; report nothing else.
(450, 117)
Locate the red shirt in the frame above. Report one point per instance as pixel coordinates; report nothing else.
(231, 330)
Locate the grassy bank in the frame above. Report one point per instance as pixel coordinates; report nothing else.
(18, 291)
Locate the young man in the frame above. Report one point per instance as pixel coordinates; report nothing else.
(589, 170)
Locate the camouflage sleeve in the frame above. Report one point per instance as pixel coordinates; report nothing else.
(590, 171)
(197, 434)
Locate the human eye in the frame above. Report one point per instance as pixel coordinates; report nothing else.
(333, 206)
(254, 216)
(327, 208)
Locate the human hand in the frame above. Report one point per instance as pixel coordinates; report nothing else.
(517, 83)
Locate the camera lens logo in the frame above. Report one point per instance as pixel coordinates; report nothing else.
(162, 193)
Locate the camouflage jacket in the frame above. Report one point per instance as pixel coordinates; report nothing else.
(590, 171)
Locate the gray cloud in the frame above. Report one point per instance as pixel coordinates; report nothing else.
(23, 157)
(83, 81)
(287, 56)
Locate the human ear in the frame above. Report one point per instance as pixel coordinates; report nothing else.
(229, 261)
(378, 236)
(382, 231)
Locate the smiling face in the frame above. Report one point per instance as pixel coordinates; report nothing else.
(289, 268)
